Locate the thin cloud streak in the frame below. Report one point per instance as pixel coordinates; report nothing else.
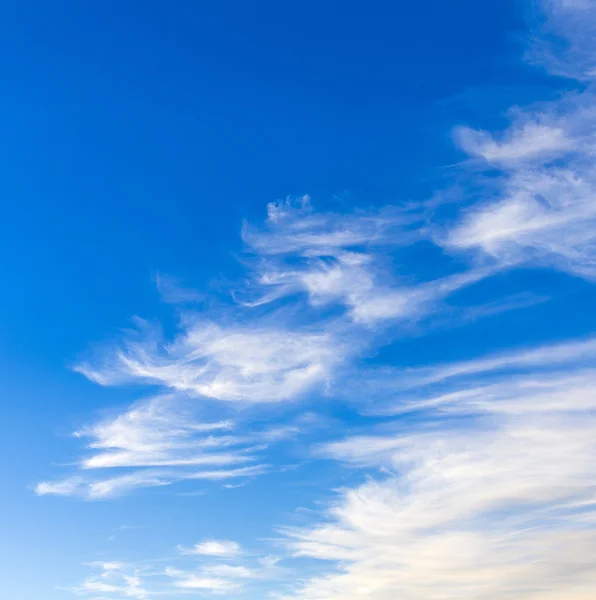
(157, 443)
(221, 548)
(113, 487)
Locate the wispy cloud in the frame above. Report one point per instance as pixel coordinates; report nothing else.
(112, 487)
(236, 363)
(541, 210)
(114, 580)
(292, 227)
(172, 292)
(191, 573)
(156, 443)
(540, 205)
(526, 141)
(225, 548)
(484, 495)
(341, 260)
(157, 434)
(255, 353)
(563, 40)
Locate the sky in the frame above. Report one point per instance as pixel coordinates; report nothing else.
(297, 300)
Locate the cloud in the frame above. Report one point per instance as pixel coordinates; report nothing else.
(192, 573)
(236, 363)
(252, 354)
(389, 390)
(113, 487)
(157, 434)
(222, 548)
(575, 352)
(529, 140)
(65, 487)
(257, 352)
(539, 178)
(342, 261)
(563, 41)
(115, 580)
(541, 208)
(232, 571)
(221, 578)
(156, 443)
(161, 441)
(484, 495)
(190, 581)
(217, 579)
(333, 270)
(172, 292)
(293, 227)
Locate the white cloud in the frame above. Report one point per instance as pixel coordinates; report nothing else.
(542, 208)
(172, 292)
(484, 496)
(529, 140)
(103, 488)
(564, 39)
(575, 352)
(222, 548)
(268, 354)
(157, 434)
(411, 302)
(353, 280)
(156, 443)
(191, 581)
(113, 487)
(222, 577)
(66, 487)
(252, 364)
(115, 580)
(343, 261)
(218, 475)
(386, 390)
(250, 356)
(292, 227)
(191, 573)
(160, 442)
(232, 571)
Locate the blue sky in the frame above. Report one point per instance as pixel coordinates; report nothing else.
(298, 300)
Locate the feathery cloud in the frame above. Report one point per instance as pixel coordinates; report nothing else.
(156, 443)
(253, 364)
(541, 209)
(484, 496)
